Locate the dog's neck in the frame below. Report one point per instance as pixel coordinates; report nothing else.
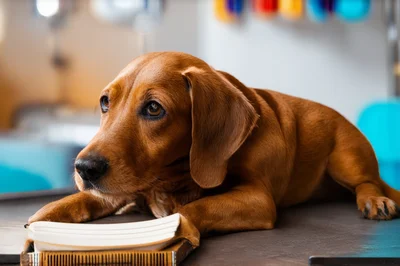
(173, 189)
(166, 199)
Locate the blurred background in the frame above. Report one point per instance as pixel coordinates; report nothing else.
(57, 55)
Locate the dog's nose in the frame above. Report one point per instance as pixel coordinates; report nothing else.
(91, 169)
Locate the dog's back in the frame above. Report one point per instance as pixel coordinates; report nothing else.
(323, 139)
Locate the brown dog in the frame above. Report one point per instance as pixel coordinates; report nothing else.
(193, 140)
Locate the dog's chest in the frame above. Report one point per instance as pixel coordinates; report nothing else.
(161, 204)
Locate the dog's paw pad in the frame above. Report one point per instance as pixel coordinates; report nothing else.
(379, 208)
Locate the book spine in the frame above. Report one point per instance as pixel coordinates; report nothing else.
(162, 258)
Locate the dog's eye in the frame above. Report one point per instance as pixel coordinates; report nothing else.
(153, 110)
(104, 104)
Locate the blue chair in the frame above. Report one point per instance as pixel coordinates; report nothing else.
(31, 165)
(380, 123)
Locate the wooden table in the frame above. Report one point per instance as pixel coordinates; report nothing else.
(330, 229)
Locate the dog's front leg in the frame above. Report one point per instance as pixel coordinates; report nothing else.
(242, 208)
(80, 207)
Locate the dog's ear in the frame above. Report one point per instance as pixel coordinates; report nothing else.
(222, 118)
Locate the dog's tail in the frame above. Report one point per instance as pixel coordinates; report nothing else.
(391, 193)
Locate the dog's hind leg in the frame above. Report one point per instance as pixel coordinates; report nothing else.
(353, 164)
(374, 204)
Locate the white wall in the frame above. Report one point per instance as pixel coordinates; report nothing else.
(340, 65)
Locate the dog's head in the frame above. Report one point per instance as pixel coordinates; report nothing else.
(162, 110)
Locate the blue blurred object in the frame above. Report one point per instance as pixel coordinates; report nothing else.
(380, 123)
(235, 6)
(14, 180)
(352, 10)
(32, 165)
(316, 10)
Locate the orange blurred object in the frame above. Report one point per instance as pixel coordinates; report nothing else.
(221, 11)
(291, 9)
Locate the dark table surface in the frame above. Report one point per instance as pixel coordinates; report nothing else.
(328, 229)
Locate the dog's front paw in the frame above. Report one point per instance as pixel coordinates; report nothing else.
(56, 212)
(378, 208)
(188, 231)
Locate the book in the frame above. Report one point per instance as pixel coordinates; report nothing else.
(164, 241)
